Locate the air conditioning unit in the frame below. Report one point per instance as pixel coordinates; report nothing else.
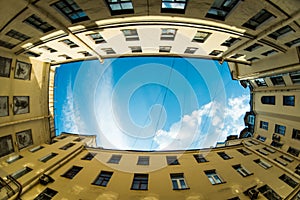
(253, 194)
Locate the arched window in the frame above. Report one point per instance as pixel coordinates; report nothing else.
(268, 100)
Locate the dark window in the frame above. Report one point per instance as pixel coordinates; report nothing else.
(71, 173)
(97, 37)
(118, 7)
(115, 159)
(39, 24)
(47, 194)
(178, 181)
(262, 152)
(67, 146)
(201, 36)
(264, 125)
(215, 52)
(168, 34)
(269, 193)
(108, 50)
(253, 59)
(277, 80)
(253, 47)
(220, 9)
(276, 144)
(5, 67)
(237, 55)
(230, 41)
(276, 137)
(242, 151)
(242, 170)
(269, 150)
(270, 52)
(85, 53)
(143, 160)
(69, 43)
(190, 50)
(293, 43)
(293, 151)
(103, 178)
(280, 32)
(234, 198)
(260, 82)
(280, 129)
(213, 177)
(289, 100)
(172, 160)
(51, 50)
(258, 19)
(89, 156)
(12, 159)
(173, 6)
(286, 158)
(136, 49)
(295, 76)
(65, 56)
(280, 162)
(261, 138)
(224, 155)
(17, 35)
(263, 164)
(296, 134)
(21, 172)
(288, 180)
(297, 170)
(200, 158)
(6, 145)
(7, 45)
(165, 49)
(48, 157)
(71, 10)
(131, 34)
(32, 54)
(268, 100)
(140, 182)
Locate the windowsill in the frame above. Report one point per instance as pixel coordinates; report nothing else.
(182, 189)
(219, 183)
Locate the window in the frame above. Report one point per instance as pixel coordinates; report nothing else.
(89, 156)
(65, 56)
(234, 198)
(280, 129)
(103, 178)
(295, 76)
(296, 134)
(143, 160)
(289, 100)
(85, 53)
(242, 151)
(242, 170)
(269, 193)
(136, 49)
(6, 143)
(17, 35)
(237, 55)
(261, 138)
(71, 10)
(276, 144)
(7, 45)
(221, 8)
(201, 36)
(131, 34)
(270, 52)
(69, 43)
(12, 159)
(213, 177)
(71, 173)
(288, 180)
(253, 59)
(280, 162)
(277, 80)
(297, 170)
(263, 163)
(178, 181)
(258, 19)
(215, 52)
(165, 49)
(293, 43)
(280, 32)
(5, 67)
(97, 37)
(200, 158)
(173, 6)
(38, 23)
(269, 150)
(51, 50)
(67, 146)
(253, 47)
(21, 172)
(268, 100)
(48, 157)
(140, 182)
(115, 159)
(264, 125)
(108, 50)
(172, 160)
(190, 50)
(260, 82)
(262, 152)
(286, 158)
(168, 34)
(32, 54)
(230, 41)
(224, 155)
(293, 151)
(47, 194)
(118, 7)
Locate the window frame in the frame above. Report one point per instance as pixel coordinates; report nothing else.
(172, 160)
(217, 8)
(115, 159)
(103, 178)
(120, 11)
(178, 181)
(258, 19)
(174, 10)
(201, 36)
(72, 172)
(213, 177)
(33, 21)
(143, 160)
(288, 100)
(141, 180)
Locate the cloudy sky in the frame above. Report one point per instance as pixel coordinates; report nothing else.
(150, 103)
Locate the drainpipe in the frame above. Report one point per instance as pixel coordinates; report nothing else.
(263, 34)
(59, 25)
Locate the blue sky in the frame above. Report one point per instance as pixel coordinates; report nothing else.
(150, 103)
